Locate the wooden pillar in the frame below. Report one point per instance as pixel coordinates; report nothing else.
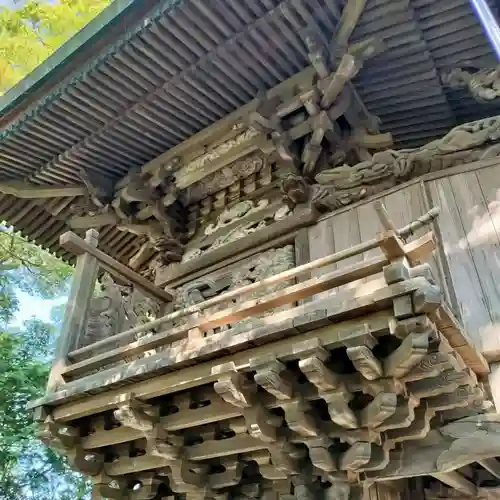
(76, 314)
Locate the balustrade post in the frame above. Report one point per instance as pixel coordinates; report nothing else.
(76, 313)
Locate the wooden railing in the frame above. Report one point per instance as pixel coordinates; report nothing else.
(182, 344)
(89, 260)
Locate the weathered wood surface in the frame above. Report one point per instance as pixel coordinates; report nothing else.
(467, 265)
(192, 376)
(347, 304)
(73, 243)
(341, 389)
(285, 323)
(231, 315)
(21, 190)
(281, 324)
(415, 251)
(469, 225)
(251, 435)
(361, 224)
(76, 312)
(243, 309)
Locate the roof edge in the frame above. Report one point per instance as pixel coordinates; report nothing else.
(86, 43)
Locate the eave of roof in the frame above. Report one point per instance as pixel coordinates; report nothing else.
(183, 64)
(113, 23)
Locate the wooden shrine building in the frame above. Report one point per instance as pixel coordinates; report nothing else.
(292, 209)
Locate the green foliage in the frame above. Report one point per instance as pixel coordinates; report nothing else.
(28, 469)
(26, 267)
(31, 31)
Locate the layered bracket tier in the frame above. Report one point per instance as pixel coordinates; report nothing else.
(305, 391)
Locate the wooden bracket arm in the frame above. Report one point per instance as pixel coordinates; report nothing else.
(73, 243)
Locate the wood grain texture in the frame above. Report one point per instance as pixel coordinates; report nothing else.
(489, 185)
(464, 275)
(322, 243)
(369, 227)
(346, 233)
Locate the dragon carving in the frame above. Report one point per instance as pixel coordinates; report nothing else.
(339, 186)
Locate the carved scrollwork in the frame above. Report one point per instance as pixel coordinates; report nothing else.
(66, 439)
(341, 185)
(136, 414)
(227, 176)
(234, 223)
(482, 84)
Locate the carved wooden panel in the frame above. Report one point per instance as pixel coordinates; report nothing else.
(242, 273)
(115, 309)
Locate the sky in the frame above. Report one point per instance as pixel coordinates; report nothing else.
(34, 306)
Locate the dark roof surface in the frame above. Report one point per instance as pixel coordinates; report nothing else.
(168, 69)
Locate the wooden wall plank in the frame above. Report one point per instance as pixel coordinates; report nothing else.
(321, 243)
(440, 259)
(484, 247)
(369, 227)
(464, 276)
(489, 181)
(468, 263)
(302, 256)
(416, 200)
(346, 234)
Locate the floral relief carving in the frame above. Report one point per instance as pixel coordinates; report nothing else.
(235, 223)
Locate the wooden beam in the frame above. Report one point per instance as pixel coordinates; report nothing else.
(458, 338)
(27, 191)
(201, 373)
(73, 243)
(278, 278)
(457, 481)
(76, 311)
(95, 221)
(350, 17)
(492, 465)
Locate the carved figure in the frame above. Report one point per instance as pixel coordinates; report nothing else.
(235, 223)
(106, 313)
(342, 185)
(295, 190)
(235, 213)
(162, 231)
(483, 84)
(220, 150)
(226, 176)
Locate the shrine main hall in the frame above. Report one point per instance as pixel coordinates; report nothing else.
(284, 222)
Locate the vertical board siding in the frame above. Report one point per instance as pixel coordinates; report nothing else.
(351, 227)
(469, 226)
(346, 233)
(369, 227)
(469, 223)
(322, 243)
